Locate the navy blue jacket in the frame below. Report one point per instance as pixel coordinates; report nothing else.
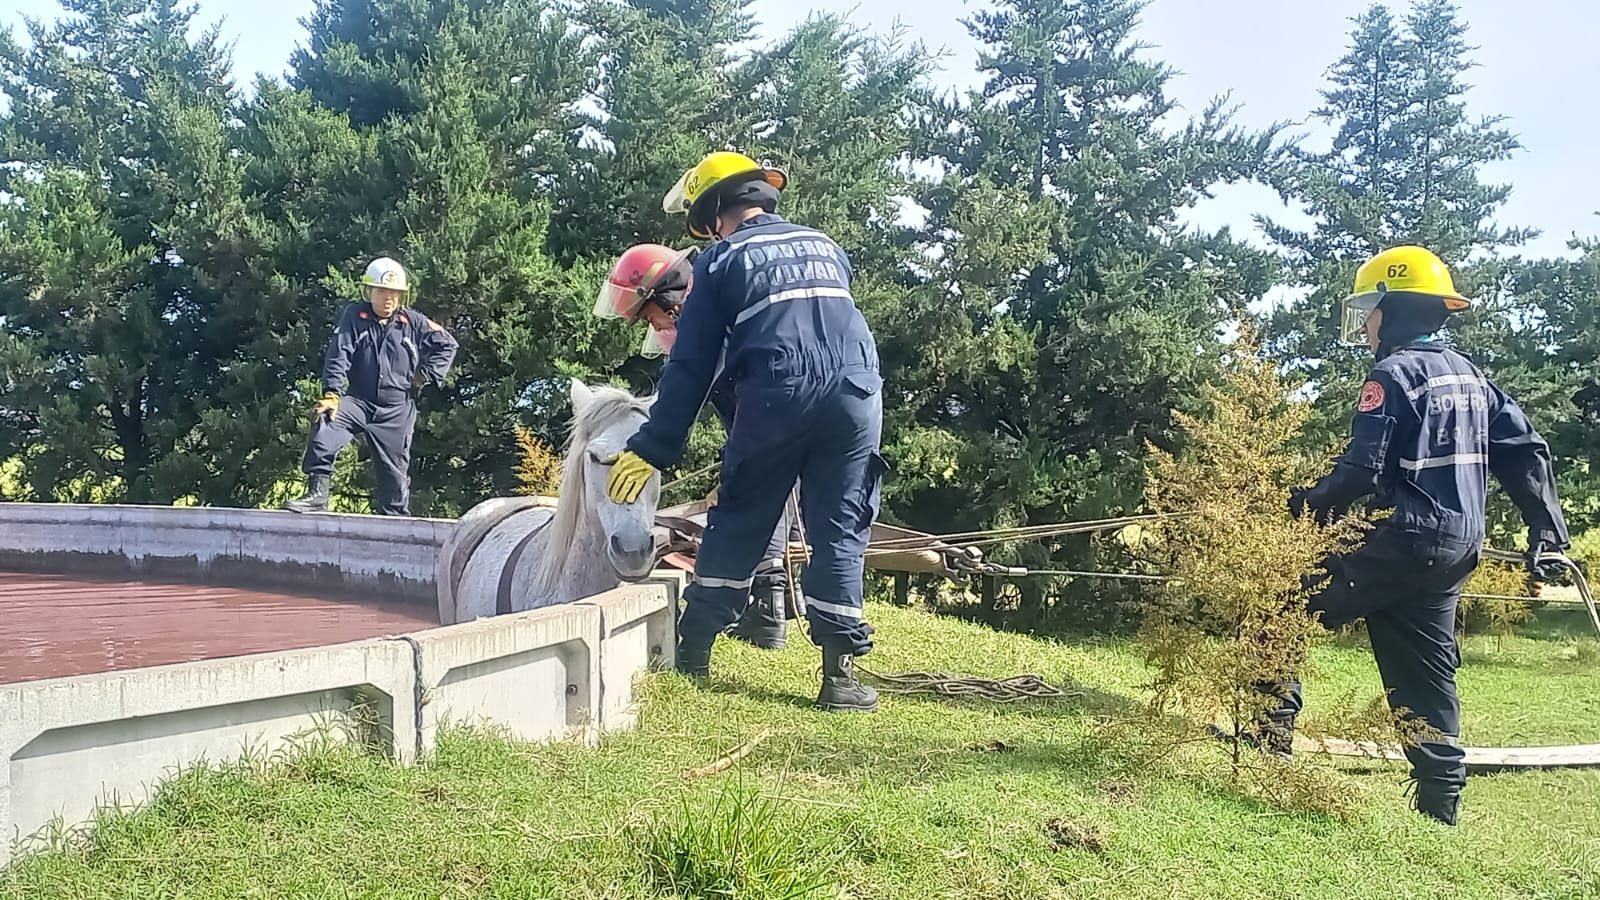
(384, 364)
(772, 303)
(1429, 430)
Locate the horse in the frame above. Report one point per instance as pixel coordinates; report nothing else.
(515, 554)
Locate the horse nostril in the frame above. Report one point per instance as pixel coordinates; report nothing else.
(616, 546)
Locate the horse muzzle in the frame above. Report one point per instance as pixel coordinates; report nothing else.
(634, 557)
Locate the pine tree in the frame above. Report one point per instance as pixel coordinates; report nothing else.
(1403, 168)
(469, 106)
(1090, 314)
(115, 127)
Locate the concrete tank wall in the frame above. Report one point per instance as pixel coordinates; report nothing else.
(564, 672)
(68, 744)
(327, 553)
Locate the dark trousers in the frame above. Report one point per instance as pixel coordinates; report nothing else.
(771, 573)
(822, 430)
(1407, 587)
(388, 428)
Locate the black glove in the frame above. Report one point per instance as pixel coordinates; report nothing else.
(1544, 563)
(1302, 500)
(1297, 502)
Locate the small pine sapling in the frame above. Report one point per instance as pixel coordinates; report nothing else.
(1235, 614)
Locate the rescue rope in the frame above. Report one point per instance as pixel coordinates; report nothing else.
(996, 690)
(692, 475)
(913, 543)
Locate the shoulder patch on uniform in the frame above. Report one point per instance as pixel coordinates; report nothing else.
(364, 315)
(404, 320)
(434, 326)
(1371, 396)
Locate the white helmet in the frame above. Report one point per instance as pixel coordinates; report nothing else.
(384, 272)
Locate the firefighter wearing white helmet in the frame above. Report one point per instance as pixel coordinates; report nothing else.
(1428, 431)
(377, 362)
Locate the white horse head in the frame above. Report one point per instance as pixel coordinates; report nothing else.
(603, 420)
(514, 555)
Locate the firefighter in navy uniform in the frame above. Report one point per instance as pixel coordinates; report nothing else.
(377, 362)
(771, 303)
(650, 282)
(1428, 432)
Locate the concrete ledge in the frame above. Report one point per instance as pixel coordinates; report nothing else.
(325, 553)
(535, 675)
(638, 632)
(68, 744)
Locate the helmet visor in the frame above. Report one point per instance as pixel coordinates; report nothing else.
(676, 202)
(617, 302)
(1353, 327)
(658, 342)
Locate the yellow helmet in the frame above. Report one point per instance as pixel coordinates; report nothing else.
(699, 187)
(1409, 268)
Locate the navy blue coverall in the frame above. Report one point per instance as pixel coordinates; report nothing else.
(770, 572)
(775, 298)
(378, 368)
(1429, 430)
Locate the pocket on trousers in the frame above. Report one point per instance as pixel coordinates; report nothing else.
(864, 384)
(877, 467)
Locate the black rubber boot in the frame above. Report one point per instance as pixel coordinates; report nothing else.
(694, 655)
(316, 498)
(841, 692)
(1440, 804)
(763, 623)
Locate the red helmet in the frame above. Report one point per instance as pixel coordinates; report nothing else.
(636, 268)
(647, 271)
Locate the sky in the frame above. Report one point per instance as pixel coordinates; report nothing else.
(1537, 67)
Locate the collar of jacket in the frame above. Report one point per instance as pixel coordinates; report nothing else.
(367, 312)
(1430, 343)
(765, 218)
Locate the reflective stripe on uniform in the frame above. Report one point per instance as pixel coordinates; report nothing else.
(733, 583)
(1440, 462)
(1439, 381)
(838, 609)
(812, 293)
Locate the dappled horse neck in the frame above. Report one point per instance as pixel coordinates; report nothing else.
(608, 409)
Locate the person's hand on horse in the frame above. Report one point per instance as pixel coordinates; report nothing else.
(326, 408)
(629, 474)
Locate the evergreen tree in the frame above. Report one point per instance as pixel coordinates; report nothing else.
(114, 133)
(1403, 167)
(470, 108)
(1090, 313)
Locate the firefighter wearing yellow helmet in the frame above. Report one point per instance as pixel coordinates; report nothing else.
(1428, 431)
(770, 307)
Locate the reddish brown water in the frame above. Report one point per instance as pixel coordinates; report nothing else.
(52, 626)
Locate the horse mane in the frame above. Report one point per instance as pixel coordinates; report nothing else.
(608, 406)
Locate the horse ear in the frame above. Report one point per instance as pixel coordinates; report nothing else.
(581, 395)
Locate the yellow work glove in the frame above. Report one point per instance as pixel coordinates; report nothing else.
(711, 498)
(629, 474)
(327, 407)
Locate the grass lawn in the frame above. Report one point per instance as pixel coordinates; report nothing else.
(930, 798)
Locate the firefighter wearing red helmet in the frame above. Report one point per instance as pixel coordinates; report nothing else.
(650, 282)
